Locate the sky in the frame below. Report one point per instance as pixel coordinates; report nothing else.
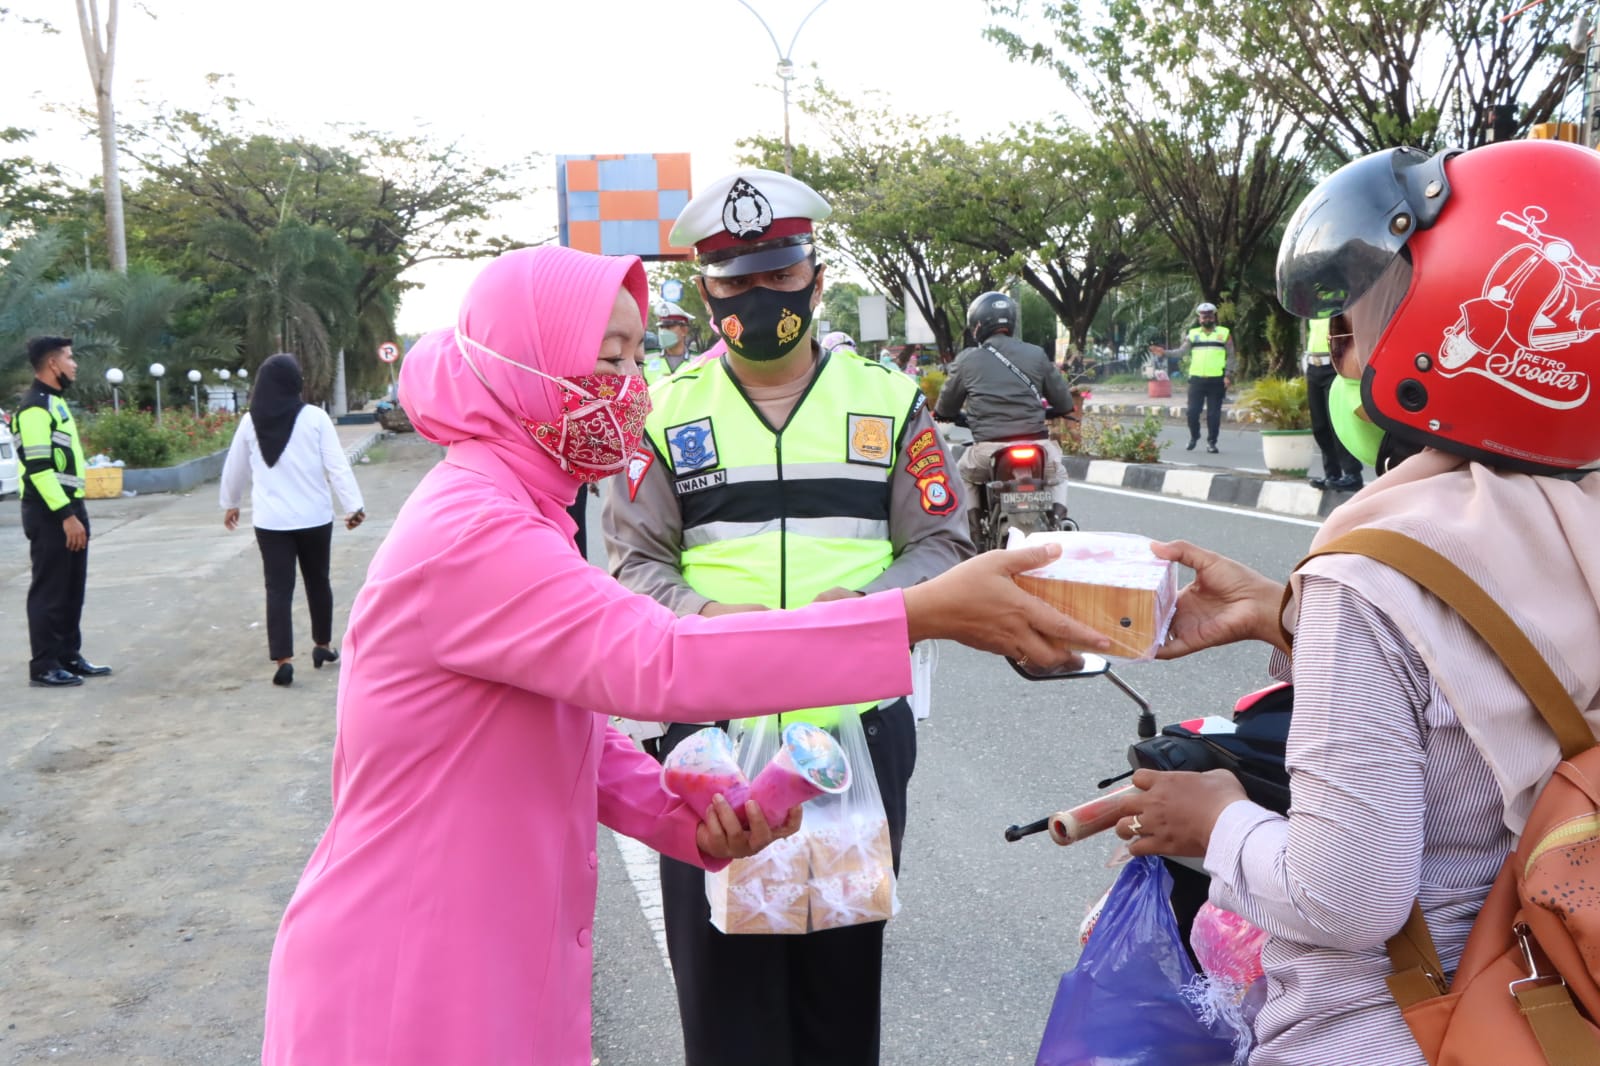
(505, 79)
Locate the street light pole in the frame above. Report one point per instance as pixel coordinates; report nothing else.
(785, 72)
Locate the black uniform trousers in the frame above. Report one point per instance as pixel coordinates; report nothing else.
(55, 596)
(810, 1000)
(280, 549)
(1337, 461)
(1210, 392)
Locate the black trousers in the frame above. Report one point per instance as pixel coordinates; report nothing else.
(1210, 392)
(809, 1000)
(280, 549)
(55, 595)
(1336, 458)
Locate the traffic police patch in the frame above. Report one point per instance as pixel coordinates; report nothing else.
(937, 496)
(638, 466)
(693, 444)
(746, 213)
(871, 440)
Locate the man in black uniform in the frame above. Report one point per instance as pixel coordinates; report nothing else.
(54, 518)
(1005, 384)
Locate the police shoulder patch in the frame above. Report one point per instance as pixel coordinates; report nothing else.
(693, 445)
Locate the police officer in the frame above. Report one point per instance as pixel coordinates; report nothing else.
(672, 336)
(776, 476)
(1341, 471)
(54, 518)
(1210, 350)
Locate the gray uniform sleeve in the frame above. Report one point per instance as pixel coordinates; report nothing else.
(1227, 369)
(925, 545)
(644, 540)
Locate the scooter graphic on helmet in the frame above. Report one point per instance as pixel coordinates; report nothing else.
(1539, 298)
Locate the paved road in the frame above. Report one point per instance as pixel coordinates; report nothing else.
(153, 824)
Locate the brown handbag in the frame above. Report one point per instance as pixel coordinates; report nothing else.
(1526, 987)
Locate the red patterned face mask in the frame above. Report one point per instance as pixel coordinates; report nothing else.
(601, 424)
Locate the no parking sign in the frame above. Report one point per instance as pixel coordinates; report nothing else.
(388, 351)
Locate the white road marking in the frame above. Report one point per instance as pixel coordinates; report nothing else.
(1248, 512)
(644, 870)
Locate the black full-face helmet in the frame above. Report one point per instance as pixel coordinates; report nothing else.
(991, 313)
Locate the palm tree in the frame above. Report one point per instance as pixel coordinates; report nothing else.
(294, 292)
(36, 298)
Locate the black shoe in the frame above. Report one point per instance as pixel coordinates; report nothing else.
(84, 668)
(1347, 484)
(320, 655)
(57, 678)
(1212, 448)
(1321, 482)
(285, 674)
(1192, 442)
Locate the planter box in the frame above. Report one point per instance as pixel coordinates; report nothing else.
(1288, 451)
(1160, 388)
(102, 482)
(180, 478)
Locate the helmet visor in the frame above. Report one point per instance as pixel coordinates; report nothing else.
(1346, 233)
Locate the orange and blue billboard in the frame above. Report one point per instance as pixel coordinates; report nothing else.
(622, 204)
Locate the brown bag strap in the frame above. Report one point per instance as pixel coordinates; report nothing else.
(1563, 1036)
(1463, 595)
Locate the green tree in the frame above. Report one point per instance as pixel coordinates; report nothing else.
(31, 191)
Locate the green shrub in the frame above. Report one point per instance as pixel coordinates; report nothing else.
(931, 383)
(1107, 438)
(131, 436)
(136, 439)
(1278, 403)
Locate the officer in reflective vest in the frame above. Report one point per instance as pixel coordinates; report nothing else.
(672, 335)
(1210, 350)
(1341, 471)
(54, 518)
(777, 476)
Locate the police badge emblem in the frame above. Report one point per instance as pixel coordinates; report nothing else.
(789, 326)
(871, 440)
(746, 214)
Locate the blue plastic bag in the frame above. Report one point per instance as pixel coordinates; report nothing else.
(1123, 1004)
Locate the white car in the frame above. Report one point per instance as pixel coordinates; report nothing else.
(10, 470)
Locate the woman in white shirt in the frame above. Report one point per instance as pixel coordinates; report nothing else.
(286, 453)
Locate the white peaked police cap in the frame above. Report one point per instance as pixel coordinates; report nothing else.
(1206, 307)
(750, 221)
(670, 313)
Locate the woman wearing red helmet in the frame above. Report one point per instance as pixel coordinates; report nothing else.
(1466, 311)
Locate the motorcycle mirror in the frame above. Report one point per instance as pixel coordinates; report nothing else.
(1092, 666)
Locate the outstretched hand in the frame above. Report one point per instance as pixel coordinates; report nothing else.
(1225, 603)
(978, 604)
(720, 835)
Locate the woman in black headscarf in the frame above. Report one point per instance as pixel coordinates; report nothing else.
(286, 453)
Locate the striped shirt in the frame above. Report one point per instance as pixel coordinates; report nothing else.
(1391, 802)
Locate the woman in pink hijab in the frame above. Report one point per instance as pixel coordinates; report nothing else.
(445, 915)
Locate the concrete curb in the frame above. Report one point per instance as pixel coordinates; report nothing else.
(1230, 488)
(356, 450)
(1135, 409)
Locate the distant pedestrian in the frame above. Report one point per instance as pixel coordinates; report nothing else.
(1211, 364)
(285, 452)
(1340, 470)
(54, 518)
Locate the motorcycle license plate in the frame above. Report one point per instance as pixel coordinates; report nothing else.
(1018, 502)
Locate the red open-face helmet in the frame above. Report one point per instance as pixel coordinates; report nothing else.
(1493, 349)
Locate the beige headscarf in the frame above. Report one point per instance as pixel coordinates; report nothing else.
(1533, 543)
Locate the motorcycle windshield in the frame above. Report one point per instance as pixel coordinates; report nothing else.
(1346, 233)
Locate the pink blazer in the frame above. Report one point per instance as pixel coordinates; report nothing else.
(445, 915)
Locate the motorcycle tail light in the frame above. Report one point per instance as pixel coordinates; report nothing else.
(1025, 454)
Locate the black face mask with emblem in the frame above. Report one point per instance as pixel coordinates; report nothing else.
(761, 324)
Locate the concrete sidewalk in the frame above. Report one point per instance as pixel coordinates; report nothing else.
(1233, 479)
